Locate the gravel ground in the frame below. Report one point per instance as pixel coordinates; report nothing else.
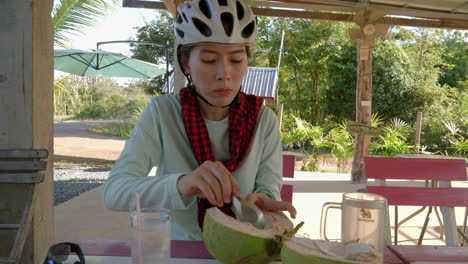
(70, 182)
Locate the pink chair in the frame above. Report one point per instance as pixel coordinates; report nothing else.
(439, 171)
(288, 172)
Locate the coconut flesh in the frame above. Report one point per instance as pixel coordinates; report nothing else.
(308, 251)
(233, 241)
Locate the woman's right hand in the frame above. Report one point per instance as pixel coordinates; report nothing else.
(211, 181)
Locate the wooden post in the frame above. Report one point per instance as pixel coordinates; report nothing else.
(280, 116)
(363, 108)
(26, 116)
(417, 140)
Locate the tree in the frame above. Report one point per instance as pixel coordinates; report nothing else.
(454, 67)
(160, 30)
(308, 46)
(72, 16)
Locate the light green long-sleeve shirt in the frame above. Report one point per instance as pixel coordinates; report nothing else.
(159, 139)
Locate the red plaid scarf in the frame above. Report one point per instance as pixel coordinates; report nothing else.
(242, 120)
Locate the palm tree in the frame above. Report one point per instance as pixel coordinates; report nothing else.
(72, 16)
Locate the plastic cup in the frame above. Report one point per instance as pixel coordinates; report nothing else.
(150, 237)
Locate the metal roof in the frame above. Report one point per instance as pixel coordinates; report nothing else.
(259, 81)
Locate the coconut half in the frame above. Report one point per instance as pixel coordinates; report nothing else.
(233, 241)
(308, 251)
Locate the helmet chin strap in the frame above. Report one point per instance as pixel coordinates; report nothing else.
(236, 98)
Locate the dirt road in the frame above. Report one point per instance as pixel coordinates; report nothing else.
(72, 141)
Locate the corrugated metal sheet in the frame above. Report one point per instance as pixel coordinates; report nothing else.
(259, 81)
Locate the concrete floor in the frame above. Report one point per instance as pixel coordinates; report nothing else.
(85, 216)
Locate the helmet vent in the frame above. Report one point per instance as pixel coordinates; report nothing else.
(248, 30)
(228, 23)
(185, 17)
(180, 33)
(240, 10)
(222, 2)
(202, 27)
(203, 5)
(179, 19)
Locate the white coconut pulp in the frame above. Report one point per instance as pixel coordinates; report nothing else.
(348, 253)
(276, 223)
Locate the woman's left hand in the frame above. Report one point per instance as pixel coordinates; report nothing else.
(264, 202)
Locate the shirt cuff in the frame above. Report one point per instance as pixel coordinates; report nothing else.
(180, 202)
(267, 192)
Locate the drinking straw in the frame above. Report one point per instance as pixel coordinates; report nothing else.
(139, 228)
(138, 209)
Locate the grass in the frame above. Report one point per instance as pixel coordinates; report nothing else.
(82, 162)
(121, 129)
(58, 118)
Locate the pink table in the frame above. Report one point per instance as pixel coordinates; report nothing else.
(180, 249)
(444, 254)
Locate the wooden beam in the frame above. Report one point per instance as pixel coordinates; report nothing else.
(21, 177)
(22, 165)
(171, 6)
(23, 153)
(445, 23)
(144, 4)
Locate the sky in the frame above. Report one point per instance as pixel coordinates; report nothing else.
(118, 24)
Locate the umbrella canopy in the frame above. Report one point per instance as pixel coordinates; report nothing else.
(103, 63)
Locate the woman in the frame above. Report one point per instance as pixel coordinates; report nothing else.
(210, 141)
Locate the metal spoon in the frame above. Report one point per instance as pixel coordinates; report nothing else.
(248, 211)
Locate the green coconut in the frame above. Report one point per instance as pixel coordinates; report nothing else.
(308, 251)
(232, 241)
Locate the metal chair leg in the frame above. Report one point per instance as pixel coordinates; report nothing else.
(436, 210)
(464, 221)
(396, 225)
(411, 215)
(463, 236)
(426, 222)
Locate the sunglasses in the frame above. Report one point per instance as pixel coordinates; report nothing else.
(59, 253)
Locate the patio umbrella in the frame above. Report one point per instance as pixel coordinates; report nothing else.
(104, 63)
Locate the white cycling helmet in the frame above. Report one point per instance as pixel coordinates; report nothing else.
(215, 21)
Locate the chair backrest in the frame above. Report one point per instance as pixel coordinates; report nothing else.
(415, 169)
(443, 170)
(288, 172)
(418, 169)
(20, 166)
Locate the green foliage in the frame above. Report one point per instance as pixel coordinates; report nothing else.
(310, 140)
(72, 16)
(122, 129)
(96, 97)
(393, 94)
(341, 94)
(114, 106)
(160, 30)
(454, 66)
(394, 139)
(458, 144)
(342, 145)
